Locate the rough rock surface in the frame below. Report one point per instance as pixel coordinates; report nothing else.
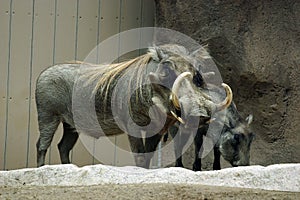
(284, 177)
(108, 182)
(256, 47)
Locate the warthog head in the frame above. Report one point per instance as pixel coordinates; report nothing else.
(236, 138)
(178, 78)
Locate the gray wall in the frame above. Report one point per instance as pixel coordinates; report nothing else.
(35, 34)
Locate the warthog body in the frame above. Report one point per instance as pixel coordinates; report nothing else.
(232, 138)
(145, 94)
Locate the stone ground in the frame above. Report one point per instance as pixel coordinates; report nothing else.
(108, 182)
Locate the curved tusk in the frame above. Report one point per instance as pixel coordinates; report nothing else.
(176, 86)
(175, 101)
(227, 101)
(178, 118)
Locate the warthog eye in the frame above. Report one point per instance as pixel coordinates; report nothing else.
(237, 138)
(165, 70)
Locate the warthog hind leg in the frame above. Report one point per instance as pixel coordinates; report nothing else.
(47, 128)
(67, 142)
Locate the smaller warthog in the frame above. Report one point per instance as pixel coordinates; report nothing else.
(232, 141)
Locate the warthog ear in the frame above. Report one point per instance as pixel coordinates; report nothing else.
(201, 53)
(157, 53)
(249, 119)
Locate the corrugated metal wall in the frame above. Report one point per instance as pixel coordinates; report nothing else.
(35, 34)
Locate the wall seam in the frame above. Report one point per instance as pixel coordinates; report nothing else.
(7, 82)
(30, 82)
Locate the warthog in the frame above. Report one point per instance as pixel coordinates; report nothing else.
(232, 141)
(145, 94)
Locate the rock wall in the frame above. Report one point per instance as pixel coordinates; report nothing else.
(256, 45)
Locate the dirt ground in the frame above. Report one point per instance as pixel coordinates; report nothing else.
(140, 191)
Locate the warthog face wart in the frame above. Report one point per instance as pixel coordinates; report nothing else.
(179, 73)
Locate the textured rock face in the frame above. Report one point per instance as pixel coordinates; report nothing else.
(256, 45)
(282, 177)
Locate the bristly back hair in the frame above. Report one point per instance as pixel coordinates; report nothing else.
(104, 74)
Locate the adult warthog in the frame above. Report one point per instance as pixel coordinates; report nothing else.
(130, 97)
(230, 133)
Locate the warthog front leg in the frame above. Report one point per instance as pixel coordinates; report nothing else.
(150, 146)
(217, 156)
(179, 141)
(138, 150)
(143, 153)
(198, 141)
